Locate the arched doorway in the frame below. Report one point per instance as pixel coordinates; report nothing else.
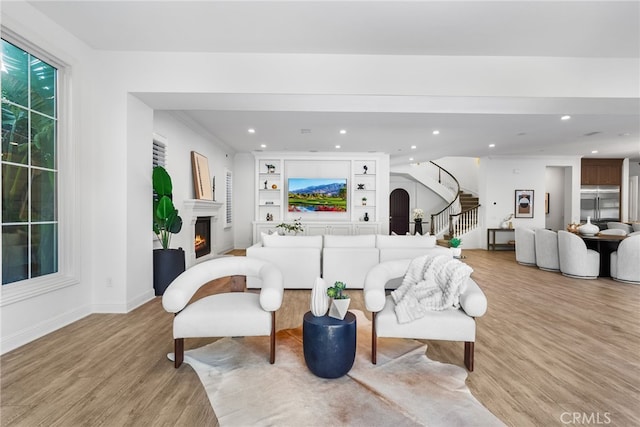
(399, 211)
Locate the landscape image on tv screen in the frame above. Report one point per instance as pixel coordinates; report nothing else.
(317, 195)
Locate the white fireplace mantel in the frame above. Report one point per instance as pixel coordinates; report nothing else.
(194, 209)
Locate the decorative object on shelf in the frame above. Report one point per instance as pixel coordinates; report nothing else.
(167, 263)
(319, 298)
(270, 168)
(588, 229)
(454, 244)
(201, 178)
(366, 216)
(294, 228)
(213, 188)
(265, 185)
(524, 204)
(365, 169)
(364, 201)
(268, 202)
(269, 217)
(360, 186)
(274, 187)
(506, 223)
(339, 301)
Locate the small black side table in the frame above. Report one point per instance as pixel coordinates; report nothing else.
(329, 344)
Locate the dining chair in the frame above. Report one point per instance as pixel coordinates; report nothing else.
(575, 259)
(613, 232)
(620, 226)
(546, 244)
(525, 246)
(624, 262)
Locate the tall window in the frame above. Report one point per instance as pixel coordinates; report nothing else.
(228, 218)
(29, 165)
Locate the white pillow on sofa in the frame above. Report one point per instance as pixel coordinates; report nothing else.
(386, 242)
(362, 241)
(277, 241)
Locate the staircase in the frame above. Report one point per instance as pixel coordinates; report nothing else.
(460, 216)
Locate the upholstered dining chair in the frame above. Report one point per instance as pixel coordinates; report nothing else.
(546, 243)
(228, 314)
(525, 246)
(575, 259)
(620, 226)
(613, 232)
(624, 262)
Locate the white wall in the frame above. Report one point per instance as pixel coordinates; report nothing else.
(501, 176)
(634, 171)
(243, 193)
(554, 185)
(465, 169)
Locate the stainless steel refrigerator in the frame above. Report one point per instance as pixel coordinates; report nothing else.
(600, 202)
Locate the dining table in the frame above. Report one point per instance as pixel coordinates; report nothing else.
(604, 244)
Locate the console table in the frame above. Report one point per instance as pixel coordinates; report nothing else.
(491, 239)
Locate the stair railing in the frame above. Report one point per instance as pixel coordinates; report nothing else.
(464, 221)
(441, 220)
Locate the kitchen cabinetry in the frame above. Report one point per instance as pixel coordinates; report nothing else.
(601, 172)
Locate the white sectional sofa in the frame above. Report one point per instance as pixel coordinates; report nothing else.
(336, 258)
(298, 257)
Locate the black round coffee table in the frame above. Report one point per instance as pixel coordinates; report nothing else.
(329, 344)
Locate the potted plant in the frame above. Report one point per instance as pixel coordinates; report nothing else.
(339, 300)
(294, 228)
(454, 244)
(270, 168)
(364, 201)
(167, 263)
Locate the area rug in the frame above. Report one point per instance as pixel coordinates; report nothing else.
(405, 388)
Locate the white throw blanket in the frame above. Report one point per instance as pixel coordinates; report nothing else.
(432, 282)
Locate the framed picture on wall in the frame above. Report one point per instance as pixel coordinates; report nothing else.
(524, 204)
(546, 203)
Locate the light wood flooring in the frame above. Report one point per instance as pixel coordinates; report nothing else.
(548, 345)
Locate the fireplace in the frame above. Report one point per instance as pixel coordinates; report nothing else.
(202, 236)
(192, 211)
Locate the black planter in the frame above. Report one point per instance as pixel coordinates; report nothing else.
(167, 265)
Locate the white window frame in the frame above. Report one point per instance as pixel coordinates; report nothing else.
(228, 198)
(68, 193)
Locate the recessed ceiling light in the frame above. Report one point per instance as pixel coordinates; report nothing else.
(411, 159)
(436, 132)
(342, 131)
(413, 147)
(251, 130)
(337, 146)
(492, 145)
(594, 151)
(624, 134)
(263, 145)
(565, 117)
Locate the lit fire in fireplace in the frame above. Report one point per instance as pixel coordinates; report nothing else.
(200, 242)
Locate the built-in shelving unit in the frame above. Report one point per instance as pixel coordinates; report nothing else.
(363, 195)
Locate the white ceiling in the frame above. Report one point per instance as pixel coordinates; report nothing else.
(472, 28)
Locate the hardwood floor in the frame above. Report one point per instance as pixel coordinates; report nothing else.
(548, 346)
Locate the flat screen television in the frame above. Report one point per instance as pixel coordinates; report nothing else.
(317, 194)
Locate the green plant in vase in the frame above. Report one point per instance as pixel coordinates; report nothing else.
(339, 300)
(166, 220)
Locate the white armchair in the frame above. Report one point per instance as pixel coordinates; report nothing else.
(525, 246)
(449, 325)
(624, 262)
(575, 259)
(228, 314)
(546, 242)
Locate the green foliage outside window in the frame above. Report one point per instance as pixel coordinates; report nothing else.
(29, 166)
